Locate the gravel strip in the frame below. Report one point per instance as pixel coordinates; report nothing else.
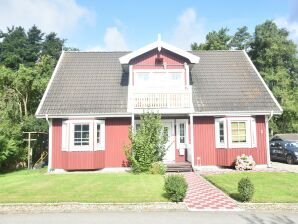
(270, 206)
(89, 207)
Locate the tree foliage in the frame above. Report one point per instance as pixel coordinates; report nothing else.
(275, 57)
(147, 143)
(27, 61)
(215, 40)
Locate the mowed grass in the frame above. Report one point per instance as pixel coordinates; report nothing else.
(269, 187)
(37, 186)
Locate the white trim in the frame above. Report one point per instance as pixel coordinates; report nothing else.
(253, 127)
(65, 136)
(185, 122)
(50, 157)
(247, 144)
(267, 142)
(159, 45)
(192, 140)
(218, 144)
(100, 146)
(75, 116)
(262, 80)
(233, 113)
(49, 84)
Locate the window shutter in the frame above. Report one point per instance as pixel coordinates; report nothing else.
(253, 133)
(65, 136)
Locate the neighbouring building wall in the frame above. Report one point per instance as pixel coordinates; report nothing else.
(206, 152)
(116, 136)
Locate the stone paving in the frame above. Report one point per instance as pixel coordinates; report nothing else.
(203, 196)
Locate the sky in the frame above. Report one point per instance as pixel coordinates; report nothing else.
(98, 25)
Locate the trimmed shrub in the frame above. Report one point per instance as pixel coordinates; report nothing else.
(157, 168)
(246, 189)
(244, 162)
(175, 187)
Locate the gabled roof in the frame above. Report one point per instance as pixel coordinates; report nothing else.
(94, 83)
(193, 59)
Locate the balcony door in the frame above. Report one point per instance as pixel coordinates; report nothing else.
(168, 127)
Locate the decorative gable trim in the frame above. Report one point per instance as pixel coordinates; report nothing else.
(159, 45)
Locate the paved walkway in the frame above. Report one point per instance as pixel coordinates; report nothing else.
(203, 196)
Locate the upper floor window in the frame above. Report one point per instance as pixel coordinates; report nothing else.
(159, 78)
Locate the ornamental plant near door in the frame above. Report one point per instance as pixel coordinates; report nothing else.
(147, 143)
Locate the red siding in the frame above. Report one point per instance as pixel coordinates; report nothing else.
(204, 144)
(116, 137)
(147, 60)
(116, 134)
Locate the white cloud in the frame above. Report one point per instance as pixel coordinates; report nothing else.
(290, 22)
(189, 29)
(61, 16)
(113, 41)
(290, 25)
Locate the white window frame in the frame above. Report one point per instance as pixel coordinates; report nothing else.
(182, 71)
(68, 135)
(251, 132)
(246, 144)
(185, 122)
(217, 133)
(101, 145)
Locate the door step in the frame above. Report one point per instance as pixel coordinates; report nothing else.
(179, 167)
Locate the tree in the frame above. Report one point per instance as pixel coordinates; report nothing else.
(35, 38)
(214, 41)
(275, 57)
(147, 143)
(241, 39)
(52, 46)
(13, 48)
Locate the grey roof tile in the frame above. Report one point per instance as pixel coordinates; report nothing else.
(94, 83)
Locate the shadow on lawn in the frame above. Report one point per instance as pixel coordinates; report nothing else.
(236, 196)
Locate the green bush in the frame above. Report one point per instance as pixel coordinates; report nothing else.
(246, 189)
(175, 187)
(157, 168)
(147, 144)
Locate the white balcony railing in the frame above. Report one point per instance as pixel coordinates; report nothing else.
(162, 100)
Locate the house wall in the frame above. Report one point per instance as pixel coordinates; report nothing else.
(147, 60)
(204, 144)
(116, 135)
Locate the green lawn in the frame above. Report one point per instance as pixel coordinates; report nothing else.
(269, 187)
(37, 186)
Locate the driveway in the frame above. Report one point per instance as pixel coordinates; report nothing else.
(285, 167)
(152, 217)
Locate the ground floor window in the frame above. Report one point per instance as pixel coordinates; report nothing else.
(235, 132)
(83, 135)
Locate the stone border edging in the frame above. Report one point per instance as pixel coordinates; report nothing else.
(270, 206)
(89, 207)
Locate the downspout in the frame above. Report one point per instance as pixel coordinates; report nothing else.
(192, 141)
(267, 139)
(50, 144)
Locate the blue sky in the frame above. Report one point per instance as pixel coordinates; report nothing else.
(130, 24)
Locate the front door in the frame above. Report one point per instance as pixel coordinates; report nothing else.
(170, 145)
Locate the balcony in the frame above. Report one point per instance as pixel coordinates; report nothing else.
(162, 100)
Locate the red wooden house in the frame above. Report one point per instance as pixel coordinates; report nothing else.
(214, 105)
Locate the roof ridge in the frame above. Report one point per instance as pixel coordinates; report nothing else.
(97, 51)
